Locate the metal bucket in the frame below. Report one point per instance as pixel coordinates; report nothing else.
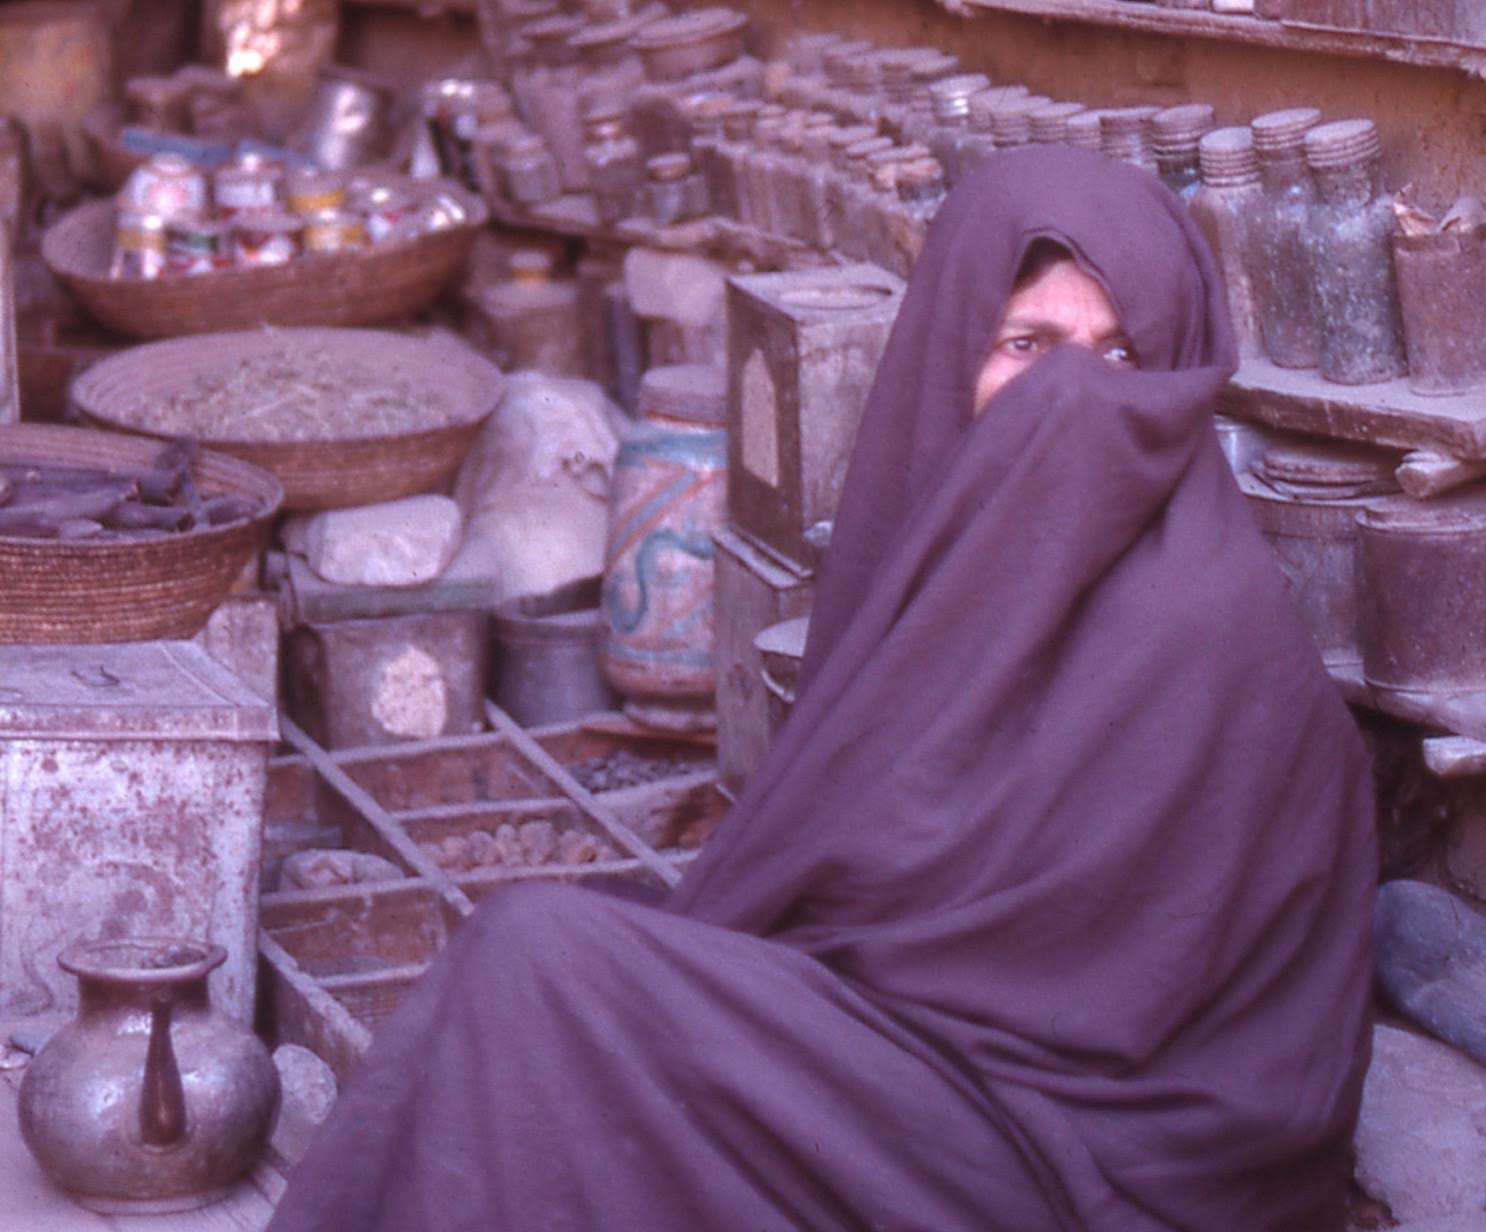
(1422, 596)
(1306, 499)
(545, 665)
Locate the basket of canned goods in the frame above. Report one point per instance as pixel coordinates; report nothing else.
(185, 250)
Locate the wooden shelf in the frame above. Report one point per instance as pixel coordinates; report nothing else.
(1386, 414)
(1238, 28)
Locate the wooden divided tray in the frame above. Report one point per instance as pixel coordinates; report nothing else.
(613, 807)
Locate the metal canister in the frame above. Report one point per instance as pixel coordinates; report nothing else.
(267, 239)
(310, 192)
(1422, 596)
(167, 184)
(246, 187)
(1306, 499)
(333, 231)
(139, 246)
(197, 245)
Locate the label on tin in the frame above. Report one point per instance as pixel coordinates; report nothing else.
(760, 435)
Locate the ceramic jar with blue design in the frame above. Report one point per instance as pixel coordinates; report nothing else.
(666, 498)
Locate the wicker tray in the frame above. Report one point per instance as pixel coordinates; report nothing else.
(330, 474)
(131, 589)
(366, 286)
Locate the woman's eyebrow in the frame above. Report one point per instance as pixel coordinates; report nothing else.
(1035, 324)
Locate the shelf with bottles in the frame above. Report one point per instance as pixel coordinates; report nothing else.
(1244, 28)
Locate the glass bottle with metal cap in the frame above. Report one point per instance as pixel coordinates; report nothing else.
(1125, 135)
(615, 172)
(1175, 132)
(951, 102)
(1222, 208)
(1049, 122)
(1348, 237)
(1280, 261)
(1084, 131)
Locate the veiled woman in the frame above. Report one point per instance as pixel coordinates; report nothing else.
(1049, 908)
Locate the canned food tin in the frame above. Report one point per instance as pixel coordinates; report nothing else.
(246, 188)
(333, 231)
(310, 192)
(266, 239)
(167, 184)
(139, 246)
(197, 245)
(384, 208)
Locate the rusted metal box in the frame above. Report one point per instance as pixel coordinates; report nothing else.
(131, 802)
(372, 665)
(803, 348)
(754, 592)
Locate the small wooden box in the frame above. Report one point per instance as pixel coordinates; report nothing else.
(803, 348)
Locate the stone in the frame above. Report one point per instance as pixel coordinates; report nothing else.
(308, 1089)
(1421, 1139)
(321, 868)
(1431, 959)
(406, 542)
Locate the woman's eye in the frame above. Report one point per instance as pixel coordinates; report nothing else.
(1022, 346)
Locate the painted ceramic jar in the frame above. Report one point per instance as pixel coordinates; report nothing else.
(666, 500)
(149, 1100)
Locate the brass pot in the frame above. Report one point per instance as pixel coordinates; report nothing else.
(148, 1101)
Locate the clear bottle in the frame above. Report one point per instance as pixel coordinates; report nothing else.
(815, 186)
(951, 102)
(1284, 285)
(880, 206)
(754, 207)
(855, 196)
(1049, 122)
(528, 170)
(844, 139)
(1348, 238)
(1125, 135)
(615, 172)
(920, 193)
(723, 170)
(666, 195)
(704, 119)
(1222, 208)
(1175, 132)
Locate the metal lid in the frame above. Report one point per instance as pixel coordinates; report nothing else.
(1011, 121)
(689, 27)
(1083, 130)
(982, 104)
(1050, 121)
(1177, 130)
(667, 168)
(930, 65)
(1227, 157)
(694, 393)
(837, 60)
(1410, 517)
(950, 96)
(1340, 471)
(1342, 143)
(1280, 132)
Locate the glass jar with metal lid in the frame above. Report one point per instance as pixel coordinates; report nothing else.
(1175, 133)
(1279, 259)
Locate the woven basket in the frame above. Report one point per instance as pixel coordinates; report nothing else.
(328, 474)
(124, 590)
(362, 286)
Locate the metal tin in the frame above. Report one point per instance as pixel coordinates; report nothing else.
(198, 245)
(803, 348)
(384, 209)
(309, 192)
(135, 783)
(245, 188)
(267, 239)
(1422, 616)
(1306, 499)
(545, 668)
(1440, 277)
(378, 681)
(139, 246)
(167, 184)
(333, 231)
(754, 591)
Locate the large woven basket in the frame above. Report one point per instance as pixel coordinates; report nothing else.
(361, 286)
(124, 590)
(316, 474)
